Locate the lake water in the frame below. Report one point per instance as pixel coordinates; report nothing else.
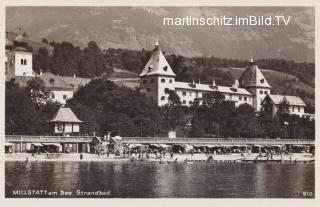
(154, 180)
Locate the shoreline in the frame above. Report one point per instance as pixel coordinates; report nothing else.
(87, 157)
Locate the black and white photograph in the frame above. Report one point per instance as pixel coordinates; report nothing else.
(159, 102)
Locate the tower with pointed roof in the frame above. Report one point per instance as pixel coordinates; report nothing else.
(254, 81)
(157, 77)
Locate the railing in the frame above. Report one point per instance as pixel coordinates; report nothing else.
(231, 141)
(49, 139)
(158, 140)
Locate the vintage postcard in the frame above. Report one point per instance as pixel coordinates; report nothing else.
(211, 102)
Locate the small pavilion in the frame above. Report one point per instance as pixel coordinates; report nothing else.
(66, 123)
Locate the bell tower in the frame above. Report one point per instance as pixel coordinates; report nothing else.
(254, 81)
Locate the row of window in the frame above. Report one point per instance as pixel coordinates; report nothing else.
(265, 92)
(65, 97)
(23, 61)
(163, 80)
(185, 102)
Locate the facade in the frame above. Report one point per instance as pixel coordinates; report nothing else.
(254, 81)
(157, 76)
(252, 87)
(295, 104)
(66, 122)
(18, 65)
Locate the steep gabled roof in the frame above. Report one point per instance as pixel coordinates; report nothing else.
(157, 65)
(65, 114)
(75, 82)
(253, 77)
(292, 100)
(210, 88)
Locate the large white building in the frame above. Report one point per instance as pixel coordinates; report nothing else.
(252, 87)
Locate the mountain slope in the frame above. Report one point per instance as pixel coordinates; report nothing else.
(139, 27)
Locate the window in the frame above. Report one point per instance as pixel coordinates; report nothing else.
(190, 93)
(292, 109)
(265, 92)
(170, 80)
(184, 101)
(245, 98)
(152, 80)
(59, 126)
(165, 68)
(184, 93)
(21, 61)
(25, 61)
(148, 90)
(261, 91)
(163, 98)
(240, 98)
(163, 80)
(230, 96)
(190, 102)
(144, 81)
(24, 74)
(298, 109)
(52, 96)
(65, 97)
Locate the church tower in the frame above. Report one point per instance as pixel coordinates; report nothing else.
(157, 77)
(254, 81)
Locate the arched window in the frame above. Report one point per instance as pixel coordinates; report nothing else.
(21, 61)
(25, 61)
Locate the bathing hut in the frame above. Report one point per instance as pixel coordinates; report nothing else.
(66, 123)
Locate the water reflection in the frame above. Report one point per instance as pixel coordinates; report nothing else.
(174, 180)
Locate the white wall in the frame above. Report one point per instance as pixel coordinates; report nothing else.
(23, 69)
(58, 95)
(161, 88)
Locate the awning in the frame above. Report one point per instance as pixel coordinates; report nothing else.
(8, 144)
(117, 137)
(188, 146)
(163, 145)
(276, 145)
(37, 144)
(54, 144)
(297, 145)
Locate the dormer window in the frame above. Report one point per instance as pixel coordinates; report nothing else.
(51, 81)
(150, 68)
(262, 80)
(165, 68)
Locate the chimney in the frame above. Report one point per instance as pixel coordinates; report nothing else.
(156, 45)
(214, 82)
(251, 62)
(236, 84)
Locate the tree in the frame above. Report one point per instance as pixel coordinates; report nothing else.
(21, 116)
(104, 107)
(197, 130)
(284, 106)
(209, 99)
(37, 91)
